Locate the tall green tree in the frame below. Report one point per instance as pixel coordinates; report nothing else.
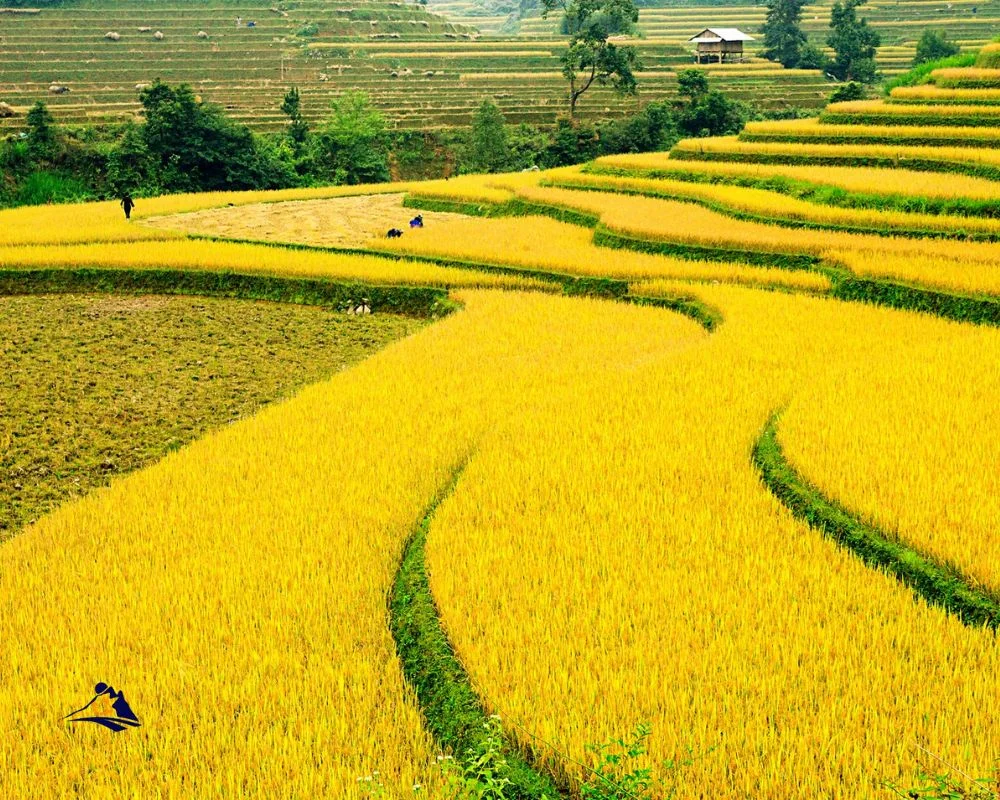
(353, 146)
(591, 58)
(934, 45)
(854, 43)
(298, 128)
(703, 111)
(783, 36)
(194, 147)
(489, 150)
(42, 143)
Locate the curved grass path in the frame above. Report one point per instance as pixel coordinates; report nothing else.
(454, 714)
(411, 300)
(939, 584)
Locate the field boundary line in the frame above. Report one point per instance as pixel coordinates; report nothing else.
(452, 711)
(419, 301)
(801, 189)
(940, 584)
(784, 222)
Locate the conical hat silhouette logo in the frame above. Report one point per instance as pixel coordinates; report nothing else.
(108, 708)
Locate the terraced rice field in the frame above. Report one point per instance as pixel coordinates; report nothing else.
(899, 23)
(421, 69)
(699, 439)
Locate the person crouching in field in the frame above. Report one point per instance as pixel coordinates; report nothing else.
(127, 204)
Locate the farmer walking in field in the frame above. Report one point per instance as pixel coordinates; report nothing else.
(127, 204)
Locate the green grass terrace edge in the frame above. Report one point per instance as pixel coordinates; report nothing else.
(971, 168)
(769, 219)
(908, 140)
(607, 237)
(417, 301)
(452, 710)
(939, 584)
(813, 192)
(950, 120)
(980, 310)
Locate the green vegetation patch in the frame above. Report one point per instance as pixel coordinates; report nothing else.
(92, 387)
(453, 712)
(940, 584)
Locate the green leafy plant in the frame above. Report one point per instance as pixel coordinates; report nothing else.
(949, 783)
(482, 775)
(618, 774)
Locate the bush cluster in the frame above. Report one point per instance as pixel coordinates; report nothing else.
(185, 145)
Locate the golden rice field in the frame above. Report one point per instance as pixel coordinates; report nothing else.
(807, 129)
(879, 108)
(611, 554)
(731, 146)
(868, 180)
(932, 93)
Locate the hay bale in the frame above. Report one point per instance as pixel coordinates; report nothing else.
(201, 35)
(112, 36)
(55, 88)
(158, 36)
(429, 73)
(144, 29)
(7, 111)
(140, 86)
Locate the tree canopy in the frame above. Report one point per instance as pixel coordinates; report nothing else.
(353, 146)
(934, 45)
(784, 39)
(854, 43)
(591, 58)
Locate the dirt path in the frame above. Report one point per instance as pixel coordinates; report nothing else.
(336, 222)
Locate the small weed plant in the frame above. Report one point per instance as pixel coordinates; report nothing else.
(939, 780)
(619, 776)
(482, 775)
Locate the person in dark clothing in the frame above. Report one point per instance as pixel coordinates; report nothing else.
(128, 204)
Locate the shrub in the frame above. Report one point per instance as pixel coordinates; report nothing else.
(989, 57)
(922, 74)
(705, 112)
(352, 147)
(849, 91)
(934, 45)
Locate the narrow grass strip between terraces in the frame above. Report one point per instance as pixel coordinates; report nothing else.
(453, 713)
(844, 284)
(773, 219)
(820, 193)
(606, 237)
(417, 301)
(970, 168)
(939, 584)
(573, 285)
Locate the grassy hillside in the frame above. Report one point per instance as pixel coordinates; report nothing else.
(423, 70)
